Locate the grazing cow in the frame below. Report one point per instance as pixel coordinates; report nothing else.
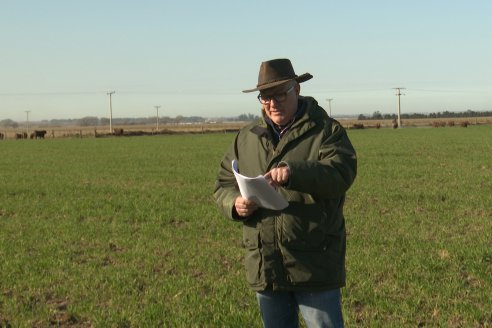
(118, 132)
(2, 136)
(39, 134)
(22, 135)
(438, 124)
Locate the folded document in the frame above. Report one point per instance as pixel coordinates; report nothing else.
(259, 190)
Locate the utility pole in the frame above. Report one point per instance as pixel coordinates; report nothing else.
(110, 112)
(27, 122)
(329, 104)
(157, 123)
(398, 94)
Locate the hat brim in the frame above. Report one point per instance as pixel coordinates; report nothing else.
(301, 78)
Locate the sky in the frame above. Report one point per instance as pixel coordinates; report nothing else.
(60, 59)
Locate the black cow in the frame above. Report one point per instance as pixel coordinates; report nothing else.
(39, 134)
(2, 136)
(118, 132)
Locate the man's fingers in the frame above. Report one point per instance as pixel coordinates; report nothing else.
(278, 175)
(245, 207)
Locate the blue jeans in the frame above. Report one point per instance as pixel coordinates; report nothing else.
(319, 309)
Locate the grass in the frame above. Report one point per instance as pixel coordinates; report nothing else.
(123, 232)
(419, 221)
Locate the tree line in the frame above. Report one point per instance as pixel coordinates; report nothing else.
(104, 121)
(377, 115)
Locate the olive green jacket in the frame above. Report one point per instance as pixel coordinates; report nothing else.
(300, 248)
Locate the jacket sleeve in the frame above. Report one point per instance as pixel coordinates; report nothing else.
(226, 190)
(334, 171)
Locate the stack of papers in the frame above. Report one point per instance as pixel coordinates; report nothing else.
(259, 190)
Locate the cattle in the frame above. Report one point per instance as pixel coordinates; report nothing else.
(438, 124)
(2, 136)
(21, 135)
(39, 134)
(118, 132)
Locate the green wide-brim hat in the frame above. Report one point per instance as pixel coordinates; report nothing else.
(276, 72)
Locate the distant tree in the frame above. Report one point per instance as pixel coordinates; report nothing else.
(389, 116)
(444, 114)
(165, 120)
(252, 117)
(377, 115)
(88, 121)
(195, 119)
(246, 117)
(104, 121)
(242, 117)
(8, 123)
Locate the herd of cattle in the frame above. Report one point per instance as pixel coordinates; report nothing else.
(37, 134)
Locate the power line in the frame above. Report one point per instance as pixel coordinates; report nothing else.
(48, 93)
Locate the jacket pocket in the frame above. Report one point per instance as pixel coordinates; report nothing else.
(304, 227)
(252, 258)
(316, 267)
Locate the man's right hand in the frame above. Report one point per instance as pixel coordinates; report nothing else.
(244, 207)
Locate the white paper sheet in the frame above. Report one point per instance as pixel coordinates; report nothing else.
(259, 191)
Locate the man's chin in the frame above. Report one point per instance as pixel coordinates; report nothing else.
(278, 119)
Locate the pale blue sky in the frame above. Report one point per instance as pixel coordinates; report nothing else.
(60, 58)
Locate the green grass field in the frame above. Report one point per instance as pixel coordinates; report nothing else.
(123, 232)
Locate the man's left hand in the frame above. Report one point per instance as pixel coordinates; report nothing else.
(278, 176)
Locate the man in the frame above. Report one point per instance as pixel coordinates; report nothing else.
(295, 257)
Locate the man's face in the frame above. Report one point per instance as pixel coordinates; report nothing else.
(281, 104)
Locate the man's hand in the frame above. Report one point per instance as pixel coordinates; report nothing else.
(244, 207)
(278, 176)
